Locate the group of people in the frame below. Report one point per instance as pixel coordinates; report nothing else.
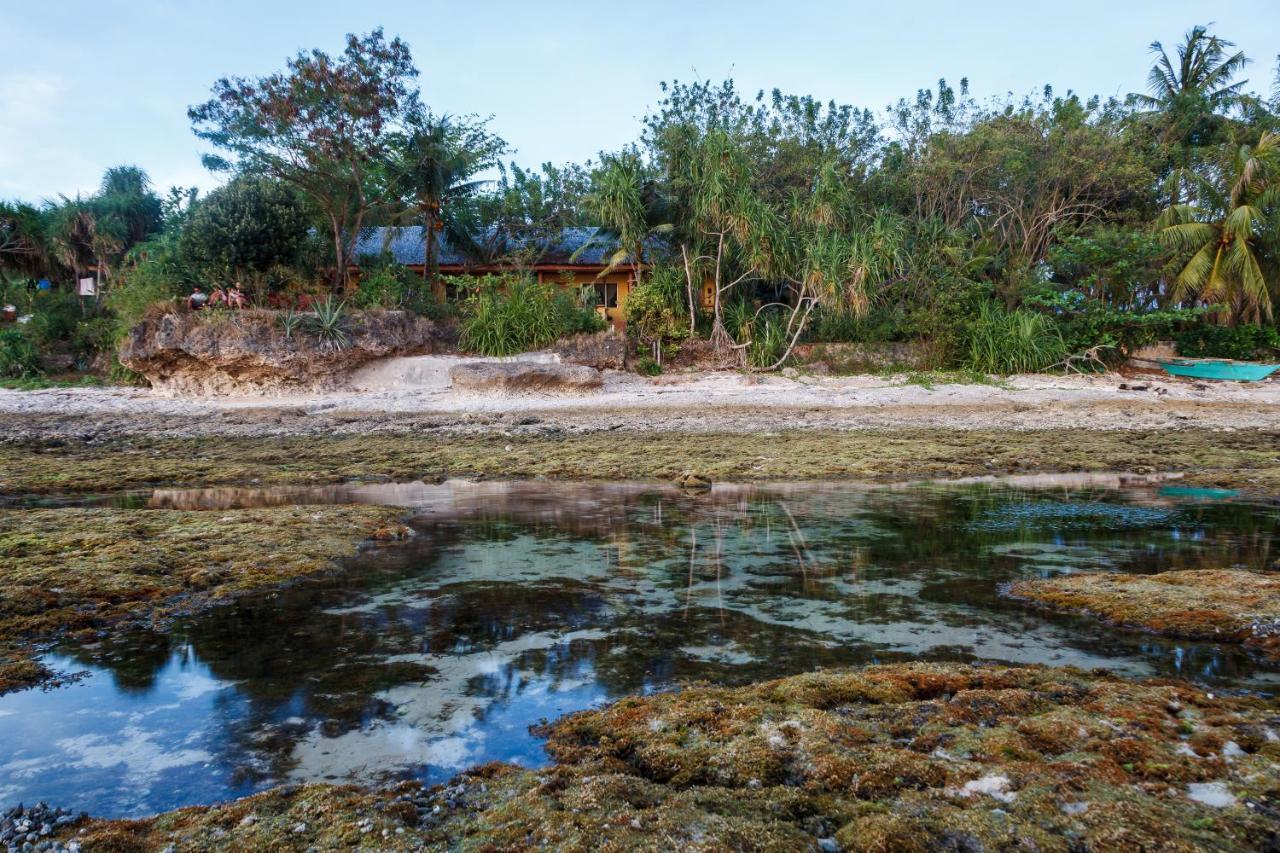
(231, 297)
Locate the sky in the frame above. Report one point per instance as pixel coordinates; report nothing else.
(88, 84)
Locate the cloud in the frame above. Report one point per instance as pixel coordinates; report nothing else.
(35, 125)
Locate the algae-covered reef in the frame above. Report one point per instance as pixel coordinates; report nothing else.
(1248, 460)
(77, 569)
(902, 757)
(1204, 604)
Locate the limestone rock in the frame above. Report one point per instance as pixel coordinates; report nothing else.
(605, 350)
(248, 352)
(524, 376)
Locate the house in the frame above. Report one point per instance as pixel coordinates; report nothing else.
(575, 257)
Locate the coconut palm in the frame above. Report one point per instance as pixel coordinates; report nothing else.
(1199, 86)
(1230, 231)
(24, 248)
(626, 203)
(434, 169)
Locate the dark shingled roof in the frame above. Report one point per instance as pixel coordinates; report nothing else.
(405, 245)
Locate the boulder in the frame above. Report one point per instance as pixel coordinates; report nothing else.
(524, 376)
(249, 352)
(605, 350)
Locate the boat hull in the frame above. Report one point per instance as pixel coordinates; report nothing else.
(1219, 369)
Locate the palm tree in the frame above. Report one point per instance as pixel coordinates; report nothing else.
(434, 170)
(1190, 93)
(24, 247)
(1230, 231)
(629, 209)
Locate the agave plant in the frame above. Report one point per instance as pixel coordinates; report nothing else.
(289, 321)
(330, 317)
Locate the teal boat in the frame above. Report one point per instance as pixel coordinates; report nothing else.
(1218, 368)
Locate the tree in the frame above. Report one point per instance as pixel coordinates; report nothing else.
(1191, 93)
(127, 205)
(322, 126)
(1230, 231)
(433, 169)
(624, 200)
(245, 228)
(527, 210)
(24, 248)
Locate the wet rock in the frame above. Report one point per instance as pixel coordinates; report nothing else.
(693, 480)
(524, 376)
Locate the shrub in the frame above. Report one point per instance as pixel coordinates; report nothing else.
(505, 315)
(647, 366)
(653, 319)
(18, 358)
(54, 315)
(1022, 341)
(329, 322)
(1238, 342)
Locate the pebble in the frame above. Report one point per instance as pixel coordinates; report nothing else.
(29, 827)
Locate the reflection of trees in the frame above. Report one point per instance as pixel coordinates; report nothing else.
(712, 565)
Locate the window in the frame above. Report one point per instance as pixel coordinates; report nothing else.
(606, 294)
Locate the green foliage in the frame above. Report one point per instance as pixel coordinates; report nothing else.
(329, 324)
(242, 230)
(1005, 342)
(657, 312)
(647, 366)
(18, 356)
(1243, 342)
(386, 284)
(290, 322)
(158, 280)
(1087, 322)
(506, 315)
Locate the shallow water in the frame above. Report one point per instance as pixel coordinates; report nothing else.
(519, 602)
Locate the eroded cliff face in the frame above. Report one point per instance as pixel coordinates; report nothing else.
(250, 353)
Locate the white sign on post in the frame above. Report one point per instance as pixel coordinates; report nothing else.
(88, 287)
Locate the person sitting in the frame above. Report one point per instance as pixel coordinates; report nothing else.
(236, 297)
(218, 297)
(198, 298)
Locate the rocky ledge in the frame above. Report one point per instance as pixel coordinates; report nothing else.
(263, 352)
(524, 376)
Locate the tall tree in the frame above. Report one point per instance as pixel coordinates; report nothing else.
(1230, 232)
(321, 125)
(625, 201)
(24, 248)
(433, 169)
(1191, 92)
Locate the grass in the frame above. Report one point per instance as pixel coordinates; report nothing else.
(1248, 459)
(1204, 604)
(910, 757)
(38, 383)
(84, 569)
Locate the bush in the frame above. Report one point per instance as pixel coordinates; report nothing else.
(1239, 342)
(505, 315)
(386, 284)
(1021, 341)
(18, 357)
(653, 319)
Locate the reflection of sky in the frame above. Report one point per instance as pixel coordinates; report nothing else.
(119, 752)
(500, 621)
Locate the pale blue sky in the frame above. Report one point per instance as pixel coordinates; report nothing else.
(86, 84)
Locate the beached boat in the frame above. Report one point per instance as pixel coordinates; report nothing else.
(1218, 368)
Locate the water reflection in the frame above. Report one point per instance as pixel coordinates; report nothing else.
(520, 602)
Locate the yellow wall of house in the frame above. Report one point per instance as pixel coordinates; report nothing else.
(616, 317)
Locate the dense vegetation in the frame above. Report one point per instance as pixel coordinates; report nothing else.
(1007, 235)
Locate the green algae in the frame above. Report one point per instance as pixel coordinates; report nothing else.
(1201, 604)
(67, 570)
(1249, 460)
(900, 757)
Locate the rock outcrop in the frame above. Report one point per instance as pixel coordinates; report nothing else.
(524, 376)
(249, 352)
(605, 350)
